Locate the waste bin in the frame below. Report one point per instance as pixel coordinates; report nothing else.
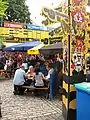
(83, 101)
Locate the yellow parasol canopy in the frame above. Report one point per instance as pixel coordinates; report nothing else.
(35, 50)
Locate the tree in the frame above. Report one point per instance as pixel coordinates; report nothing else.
(18, 12)
(3, 7)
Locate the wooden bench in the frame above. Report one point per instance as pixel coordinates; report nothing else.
(35, 88)
(38, 88)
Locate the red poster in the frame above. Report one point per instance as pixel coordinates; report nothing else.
(13, 25)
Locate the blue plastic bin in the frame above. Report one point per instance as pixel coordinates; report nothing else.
(83, 101)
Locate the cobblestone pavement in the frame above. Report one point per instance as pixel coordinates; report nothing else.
(27, 107)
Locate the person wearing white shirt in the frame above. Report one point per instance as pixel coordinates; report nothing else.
(19, 80)
(25, 64)
(50, 70)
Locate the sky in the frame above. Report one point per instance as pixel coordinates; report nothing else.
(35, 7)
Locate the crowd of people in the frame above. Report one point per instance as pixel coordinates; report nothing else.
(33, 70)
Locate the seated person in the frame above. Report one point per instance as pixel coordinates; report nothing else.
(30, 76)
(39, 77)
(19, 80)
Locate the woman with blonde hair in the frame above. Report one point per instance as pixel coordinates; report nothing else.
(30, 76)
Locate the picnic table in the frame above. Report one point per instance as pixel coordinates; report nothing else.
(4, 73)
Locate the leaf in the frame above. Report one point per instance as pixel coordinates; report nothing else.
(3, 7)
(18, 11)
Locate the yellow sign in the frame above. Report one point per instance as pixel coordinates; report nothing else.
(35, 50)
(23, 33)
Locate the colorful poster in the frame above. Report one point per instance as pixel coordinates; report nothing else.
(13, 25)
(78, 33)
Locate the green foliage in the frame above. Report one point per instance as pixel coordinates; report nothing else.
(18, 11)
(1, 43)
(3, 7)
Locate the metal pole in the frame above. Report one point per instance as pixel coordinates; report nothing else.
(69, 55)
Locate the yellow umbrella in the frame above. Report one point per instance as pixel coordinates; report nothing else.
(35, 50)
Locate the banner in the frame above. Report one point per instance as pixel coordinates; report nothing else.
(37, 27)
(78, 33)
(13, 25)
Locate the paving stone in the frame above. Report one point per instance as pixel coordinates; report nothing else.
(27, 107)
(35, 118)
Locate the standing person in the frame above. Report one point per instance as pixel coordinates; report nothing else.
(50, 69)
(53, 84)
(3, 59)
(19, 80)
(19, 60)
(49, 79)
(14, 64)
(43, 68)
(33, 61)
(88, 74)
(10, 66)
(25, 64)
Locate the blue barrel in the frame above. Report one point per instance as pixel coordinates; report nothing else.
(83, 101)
